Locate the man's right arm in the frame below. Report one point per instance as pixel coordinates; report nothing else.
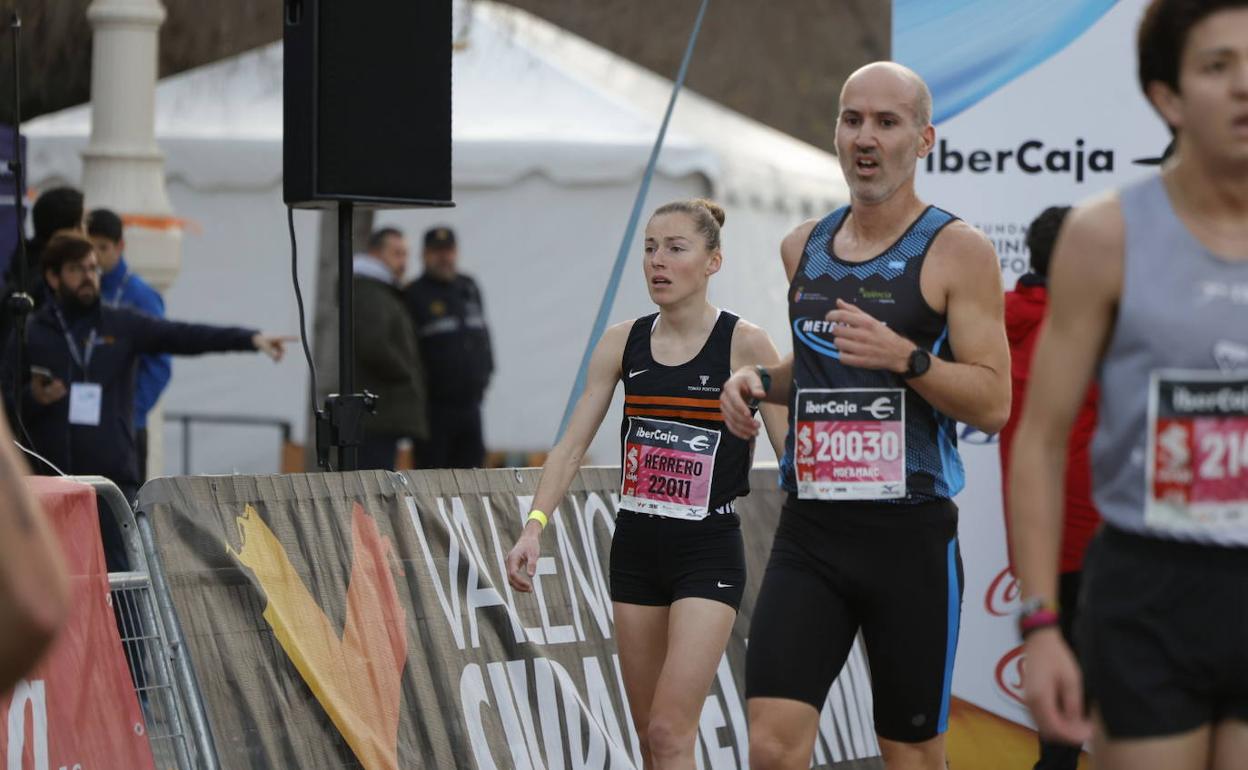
(1084, 286)
(745, 385)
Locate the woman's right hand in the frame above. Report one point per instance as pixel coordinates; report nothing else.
(522, 558)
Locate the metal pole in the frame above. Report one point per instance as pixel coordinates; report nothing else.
(186, 446)
(348, 456)
(197, 712)
(20, 303)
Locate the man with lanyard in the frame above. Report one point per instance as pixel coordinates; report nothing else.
(82, 357)
(1149, 291)
(896, 312)
(121, 288)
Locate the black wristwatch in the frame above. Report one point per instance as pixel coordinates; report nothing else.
(918, 364)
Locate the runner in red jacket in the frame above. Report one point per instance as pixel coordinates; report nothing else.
(1024, 311)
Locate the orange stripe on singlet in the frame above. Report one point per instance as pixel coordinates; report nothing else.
(686, 414)
(699, 403)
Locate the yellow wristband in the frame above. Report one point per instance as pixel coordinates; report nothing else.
(538, 516)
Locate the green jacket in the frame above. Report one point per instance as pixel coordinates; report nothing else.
(387, 360)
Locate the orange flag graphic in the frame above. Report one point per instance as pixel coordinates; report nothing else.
(356, 678)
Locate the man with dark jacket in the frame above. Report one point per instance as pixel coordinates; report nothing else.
(387, 358)
(1024, 312)
(82, 354)
(455, 344)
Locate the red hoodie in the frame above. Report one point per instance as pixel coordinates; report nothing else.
(1024, 312)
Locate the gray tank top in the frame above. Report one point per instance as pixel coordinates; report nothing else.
(1170, 454)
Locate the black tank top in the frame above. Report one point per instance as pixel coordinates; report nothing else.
(678, 458)
(887, 287)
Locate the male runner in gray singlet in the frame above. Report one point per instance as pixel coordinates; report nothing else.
(1150, 284)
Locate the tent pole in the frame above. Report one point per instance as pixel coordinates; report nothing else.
(621, 257)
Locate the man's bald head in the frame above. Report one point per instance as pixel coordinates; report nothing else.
(892, 72)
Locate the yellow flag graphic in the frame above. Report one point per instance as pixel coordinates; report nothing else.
(356, 678)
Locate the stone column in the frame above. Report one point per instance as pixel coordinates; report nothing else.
(123, 169)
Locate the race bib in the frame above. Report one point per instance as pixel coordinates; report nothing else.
(850, 443)
(668, 468)
(1197, 455)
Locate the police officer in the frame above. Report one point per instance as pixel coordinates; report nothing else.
(455, 346)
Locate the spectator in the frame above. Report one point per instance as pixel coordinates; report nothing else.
(1024, 311)
(56, 210)
(387, 358)
(455, 345)
(121, 288)
(82, 356)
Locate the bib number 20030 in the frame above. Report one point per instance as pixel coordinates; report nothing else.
(851, 443)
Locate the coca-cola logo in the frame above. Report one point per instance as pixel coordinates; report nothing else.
(1009, 674)
(1003, 594)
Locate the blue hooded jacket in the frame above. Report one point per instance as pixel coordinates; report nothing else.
(121, 288)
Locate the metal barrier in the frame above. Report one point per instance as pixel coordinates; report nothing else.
(173, 713)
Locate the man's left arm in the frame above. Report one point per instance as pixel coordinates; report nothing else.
(158, 335)
(975, 387)
(155, 371)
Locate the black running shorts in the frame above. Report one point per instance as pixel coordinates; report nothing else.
(892, 571)
(1163, 634)
(657, 560)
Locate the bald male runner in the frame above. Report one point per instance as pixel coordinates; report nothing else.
(896, 309)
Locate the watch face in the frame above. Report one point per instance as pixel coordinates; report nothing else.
(920, 361)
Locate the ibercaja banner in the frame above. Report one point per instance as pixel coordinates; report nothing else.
(365, 620)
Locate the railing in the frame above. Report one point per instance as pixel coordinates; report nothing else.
(187, 419)
(173, 713)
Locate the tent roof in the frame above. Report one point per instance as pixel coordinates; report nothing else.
(528, 98)
(758, 163)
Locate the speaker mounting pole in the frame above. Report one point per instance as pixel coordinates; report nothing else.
(341, 423)
(348, 456)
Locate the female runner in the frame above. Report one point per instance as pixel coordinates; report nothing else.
(677, 560)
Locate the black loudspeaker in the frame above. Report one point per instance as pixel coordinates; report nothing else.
(367, 102)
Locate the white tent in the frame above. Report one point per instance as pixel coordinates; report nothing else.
(551, 136)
